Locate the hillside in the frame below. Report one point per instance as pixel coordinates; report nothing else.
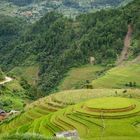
(19, 88)
(126, 76)
(76, 78)
(32, 10)
(65, 74)
(82, 118)
(57, 44)
(54, 114)
(2, 77)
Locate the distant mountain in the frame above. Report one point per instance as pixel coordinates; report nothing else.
(34, 9)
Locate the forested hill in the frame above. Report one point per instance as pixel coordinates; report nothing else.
(57, 43)
(10, 29)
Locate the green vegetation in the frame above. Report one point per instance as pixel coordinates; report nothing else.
(9, 102)
(76, 78)
(14, 86)
(102, 121)
(125, 76)
(2, 77)
(10, 30)
(26, 137)
(55, 102)
(57, 44)
(12, 96)
(53, 54)
(16, 93)
(29, 73)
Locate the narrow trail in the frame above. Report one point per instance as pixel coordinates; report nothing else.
(127, 43)
(7, 79)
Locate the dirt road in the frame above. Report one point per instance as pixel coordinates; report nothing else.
(7, 79)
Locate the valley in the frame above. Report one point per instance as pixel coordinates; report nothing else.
(75, 69)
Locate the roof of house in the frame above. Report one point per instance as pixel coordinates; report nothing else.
(2, 111)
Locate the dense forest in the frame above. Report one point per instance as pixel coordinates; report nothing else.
(1, 75)
(57, 43)
(10, 29)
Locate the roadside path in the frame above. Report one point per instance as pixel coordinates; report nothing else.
(7, 80)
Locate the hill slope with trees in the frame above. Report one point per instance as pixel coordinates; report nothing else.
(57, 43)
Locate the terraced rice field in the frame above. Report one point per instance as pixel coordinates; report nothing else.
(33, 111)
(76, 77)
(84, 110)
(95, 118)
(119, 76)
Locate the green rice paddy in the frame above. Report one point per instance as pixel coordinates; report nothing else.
(85, 111)
(88, 123)
(119, 76)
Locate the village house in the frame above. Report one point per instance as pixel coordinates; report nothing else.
(2, 114)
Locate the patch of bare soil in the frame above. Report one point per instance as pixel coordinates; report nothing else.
(127, 43)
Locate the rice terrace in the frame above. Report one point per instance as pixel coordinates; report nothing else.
(93, 118)
(70, 70)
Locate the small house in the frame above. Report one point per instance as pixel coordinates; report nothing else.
(71, 135)
(2, 114)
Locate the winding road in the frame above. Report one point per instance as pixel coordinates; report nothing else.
(7, 80)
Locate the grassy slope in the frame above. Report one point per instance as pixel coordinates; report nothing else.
(45, 106)
(26, 137)
(13, 95)
(30, 73)
(121, 74)
(77, 77)
(117, 77)
(14, 86)
(55, 102)
(12, 102)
